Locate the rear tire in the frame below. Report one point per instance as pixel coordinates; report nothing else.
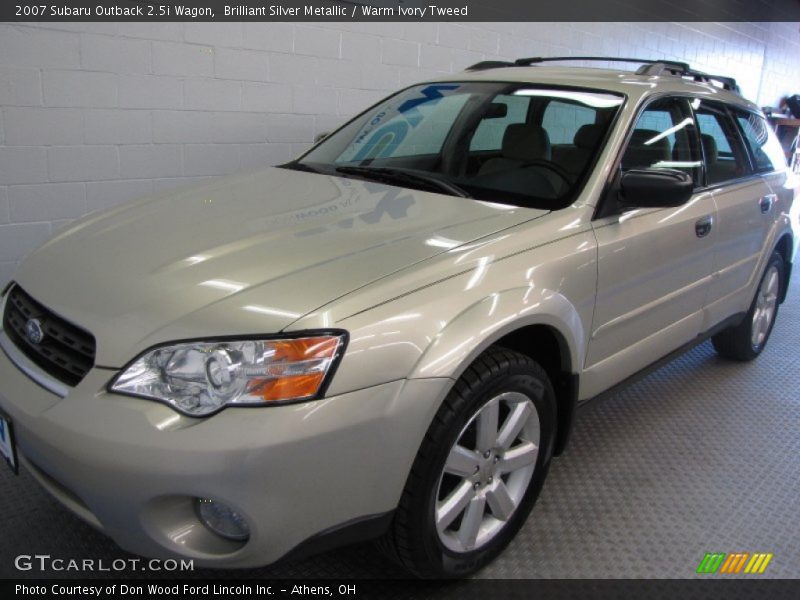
(748, 339)
(479, 469)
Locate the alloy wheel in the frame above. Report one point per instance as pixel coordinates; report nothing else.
(487, 472)
(766, 303)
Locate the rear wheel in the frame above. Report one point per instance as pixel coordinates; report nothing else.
(747, 340)
(479, 470)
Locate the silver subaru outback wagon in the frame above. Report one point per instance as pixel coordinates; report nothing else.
(387, 337)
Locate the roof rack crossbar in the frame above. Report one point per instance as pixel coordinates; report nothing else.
(728, 83)
(658, 68)
(649, 67)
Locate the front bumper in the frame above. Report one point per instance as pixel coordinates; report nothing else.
(132, 467)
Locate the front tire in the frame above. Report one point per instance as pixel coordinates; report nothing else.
(479, 470)
(748, 339)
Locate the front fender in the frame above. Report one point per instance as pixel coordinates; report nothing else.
(485, 322)
(434, 330)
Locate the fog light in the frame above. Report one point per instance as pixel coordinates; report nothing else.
(222, 520)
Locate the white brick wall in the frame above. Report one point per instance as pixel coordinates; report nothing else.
(92, 115)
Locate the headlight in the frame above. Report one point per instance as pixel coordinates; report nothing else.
(200, 378)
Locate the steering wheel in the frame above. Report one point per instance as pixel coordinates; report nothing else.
(550, 166)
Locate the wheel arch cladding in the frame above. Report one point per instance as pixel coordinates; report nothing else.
(539, 323)
(784, 248)
(547, 346)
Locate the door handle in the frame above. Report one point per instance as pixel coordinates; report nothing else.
(765, 203)
(702, 227)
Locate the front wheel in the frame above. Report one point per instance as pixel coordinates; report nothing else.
(747, 340)
(479, 470)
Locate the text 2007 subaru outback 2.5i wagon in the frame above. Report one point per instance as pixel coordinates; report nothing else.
(388, 336)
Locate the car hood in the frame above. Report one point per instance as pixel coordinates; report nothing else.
(243, 255)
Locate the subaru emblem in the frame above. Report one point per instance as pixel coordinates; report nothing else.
(34, 331)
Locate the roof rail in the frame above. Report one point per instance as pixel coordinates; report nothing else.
(649, 67)
(658, 68)
(490, 64)
(526, 62)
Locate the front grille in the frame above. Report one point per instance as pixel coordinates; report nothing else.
(66, 352)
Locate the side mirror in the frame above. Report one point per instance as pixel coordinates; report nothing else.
(321, 136)
(655, 188)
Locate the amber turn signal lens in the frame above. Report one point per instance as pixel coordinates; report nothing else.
(294, 387)
(297, 369)
(305, 348)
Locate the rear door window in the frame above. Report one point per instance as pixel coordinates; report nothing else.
(725, 157)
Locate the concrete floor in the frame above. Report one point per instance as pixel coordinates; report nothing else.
(701, 456)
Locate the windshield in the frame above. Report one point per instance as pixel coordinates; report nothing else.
(500, 142)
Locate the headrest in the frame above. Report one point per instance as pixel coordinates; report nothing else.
(526, 142)
(645, 150)
(588, 136)
(709, 148)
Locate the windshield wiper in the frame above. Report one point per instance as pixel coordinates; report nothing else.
(395, 175)
(298, 166)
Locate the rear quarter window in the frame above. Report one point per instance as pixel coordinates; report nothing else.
(764, 148)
